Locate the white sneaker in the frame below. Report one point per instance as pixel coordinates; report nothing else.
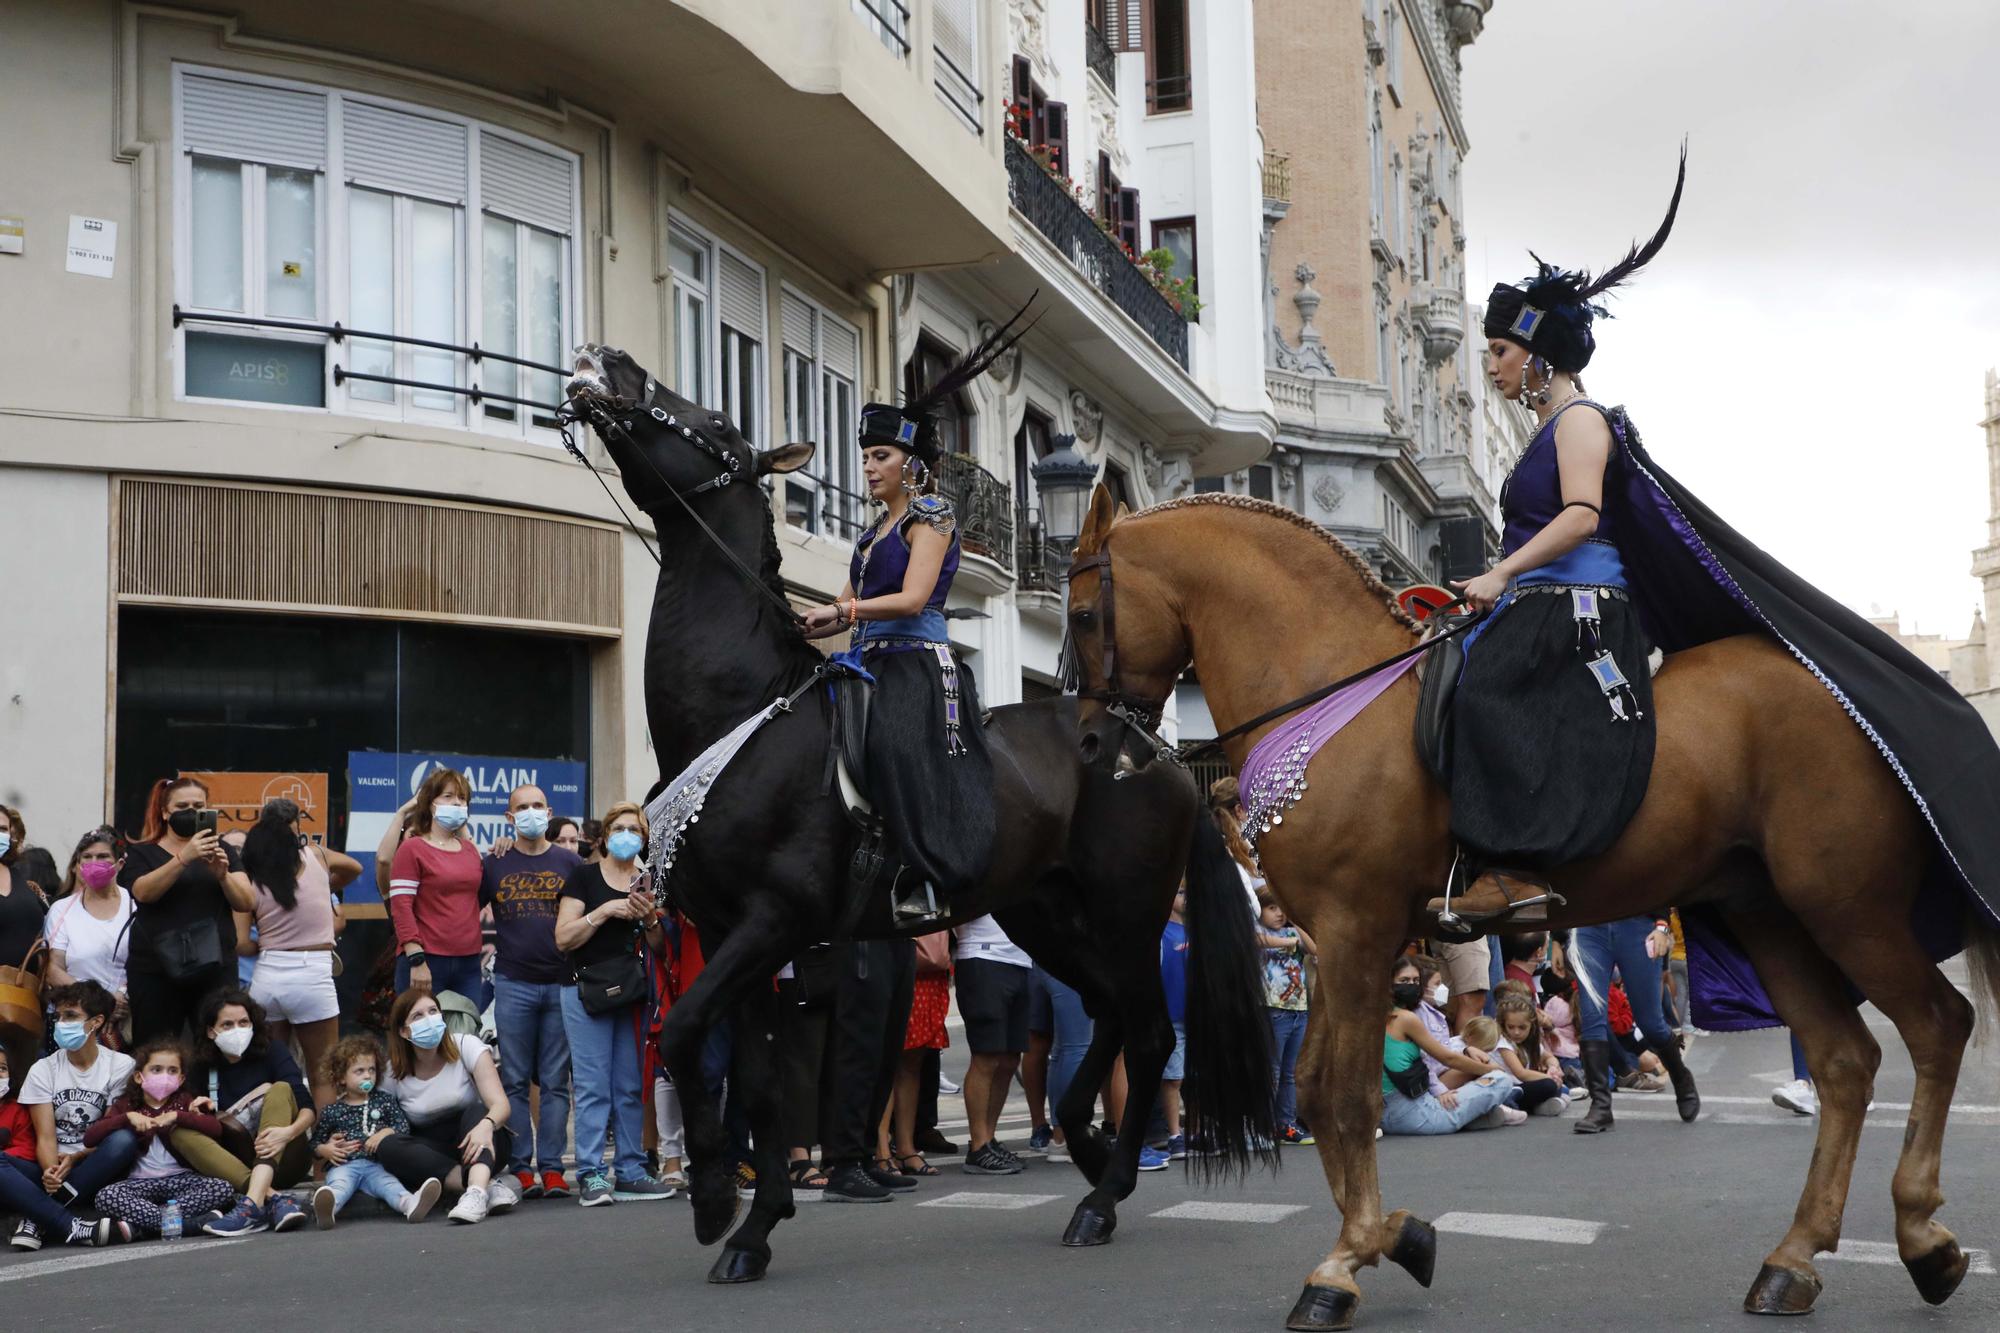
(947, 1087)
(1797, 1096)
(418, 1206)
(471, 1207)
(1510, 1116)
(503, 1193)
(1553, 1106)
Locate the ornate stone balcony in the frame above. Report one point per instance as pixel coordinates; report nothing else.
(1440, 318)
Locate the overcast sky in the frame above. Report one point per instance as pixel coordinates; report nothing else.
(1809, 352)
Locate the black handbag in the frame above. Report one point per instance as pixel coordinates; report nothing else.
(612, 983)
(1413, 1080)
(186, 953)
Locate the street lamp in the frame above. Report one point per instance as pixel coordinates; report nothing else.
(1063, 480)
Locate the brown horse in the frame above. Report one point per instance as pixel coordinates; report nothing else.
(1766, 800)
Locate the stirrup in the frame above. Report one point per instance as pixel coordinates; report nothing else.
(917, 906)
(1466, 926)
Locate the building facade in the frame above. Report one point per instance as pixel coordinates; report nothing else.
(266, 519)
(1973, 667)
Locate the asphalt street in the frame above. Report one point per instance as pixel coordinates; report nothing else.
(1656, 1226)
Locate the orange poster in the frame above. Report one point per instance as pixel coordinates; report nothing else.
(237, 797)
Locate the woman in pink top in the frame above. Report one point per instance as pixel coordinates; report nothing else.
(434, 894)
(287, 892)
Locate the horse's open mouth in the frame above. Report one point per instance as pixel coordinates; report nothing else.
(588, 380)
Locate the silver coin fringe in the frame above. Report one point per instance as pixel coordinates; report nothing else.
(678, 806)
(1280, 788)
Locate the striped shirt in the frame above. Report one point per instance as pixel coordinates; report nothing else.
(434, 897)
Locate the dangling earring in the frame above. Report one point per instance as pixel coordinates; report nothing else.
(914, 475)
(1540, 397)
(1524, 383)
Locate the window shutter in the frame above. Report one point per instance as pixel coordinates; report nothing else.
(1128, 217)
(843, 349)
(955, 21)
(1125, 25)
(1023, 81)
(797, 317)
(405, 154)
(252, 123)
(740, 293)
(526, 184)
(1057, 114)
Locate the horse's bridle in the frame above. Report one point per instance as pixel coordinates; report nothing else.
(1135, 711)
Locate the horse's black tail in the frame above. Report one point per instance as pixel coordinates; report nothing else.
(1227, 1091)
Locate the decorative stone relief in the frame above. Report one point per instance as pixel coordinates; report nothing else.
(1087, 416)
(1168, 476)
(1309, 357)
(1328, 493)
(1007, 368)
(1027, 21)
(1104, 124)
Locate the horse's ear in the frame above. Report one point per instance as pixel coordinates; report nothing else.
(1097, 524)
(785, 458)
(1124, 512)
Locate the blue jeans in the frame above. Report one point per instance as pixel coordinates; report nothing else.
(605, 1075)
(21, 1188)
(1426, 1115)
(1069, 1038)
(534, 1048)
(1288, 1033)
(368, 1177)
(458, 973)
(1799, 1070)
(1620, 943)
(1496, 972)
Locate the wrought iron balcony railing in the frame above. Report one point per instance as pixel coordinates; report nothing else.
(1047, 203)
(985, 506)
(1040, 562)
(1098, 55)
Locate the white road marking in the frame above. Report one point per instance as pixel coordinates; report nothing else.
(1957, 1108)
(1201, 1210)
(1521, 1226)
(971, 1199)
(1884, 1252)
(1781, 1119)
(70, 1263)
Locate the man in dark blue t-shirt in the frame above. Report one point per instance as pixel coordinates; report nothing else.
(521, 885)
(1173, 980)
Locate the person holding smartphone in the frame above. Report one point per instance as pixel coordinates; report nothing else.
(183, 939)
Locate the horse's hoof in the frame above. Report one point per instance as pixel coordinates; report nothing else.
(1938, 1273)
(1090, 1225)
(715, 1216)
(1321, 1308)
(1781, 1291)
(738, 1266)
(1416, 1250)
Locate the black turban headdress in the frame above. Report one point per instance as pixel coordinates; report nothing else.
(913, 426)
(1550, 313)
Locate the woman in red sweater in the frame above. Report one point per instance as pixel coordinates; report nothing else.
(434, 894)
(156, 1103)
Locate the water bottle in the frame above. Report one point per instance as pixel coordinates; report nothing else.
(170, 1220)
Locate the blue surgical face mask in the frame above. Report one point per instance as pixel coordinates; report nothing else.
(624, 844)
(531, 823)
(449, 817)
(427, 1031)
(6, 842)
(71, 1035)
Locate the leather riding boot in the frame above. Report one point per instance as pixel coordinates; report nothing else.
(1597, 1078)
(1512, 896)
(1686, 1098)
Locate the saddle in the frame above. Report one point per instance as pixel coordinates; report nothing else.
(1438, 670)
(875, 867)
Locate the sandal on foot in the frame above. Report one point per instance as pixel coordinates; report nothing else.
(806, 1176)
(922, 1168)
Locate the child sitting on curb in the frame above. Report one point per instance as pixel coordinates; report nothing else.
(352, 1127)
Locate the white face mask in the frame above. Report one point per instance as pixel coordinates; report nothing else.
(4, 1085)
(1441, 995)
(233, 1042)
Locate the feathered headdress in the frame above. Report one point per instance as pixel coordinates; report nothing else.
(913, 426)
(1550, 313)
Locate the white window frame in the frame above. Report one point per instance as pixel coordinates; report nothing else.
(1392, 40)
(522, 230)
(717, 380)
(331, 195)
(837, 461)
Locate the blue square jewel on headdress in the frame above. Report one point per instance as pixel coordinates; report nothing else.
(906, 432)
(1526, 322)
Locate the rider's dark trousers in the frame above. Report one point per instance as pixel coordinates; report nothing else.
(871, 1015)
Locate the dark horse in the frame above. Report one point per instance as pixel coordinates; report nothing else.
(1085, 866)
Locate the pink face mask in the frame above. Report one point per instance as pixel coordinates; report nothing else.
(160, 1086)
(97, 874)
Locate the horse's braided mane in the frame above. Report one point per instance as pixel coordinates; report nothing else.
(1369, 580)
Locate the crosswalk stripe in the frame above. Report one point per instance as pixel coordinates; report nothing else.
(977, 1199)
(1884, 1252)
(70, 1263)
(1957, 1108)
(1203, 1210)
(1521, 1226)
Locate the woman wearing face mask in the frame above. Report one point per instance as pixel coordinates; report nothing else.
(449, 1089)
(22, 908)
(183, 943)
(254, 1087)
(434, 894)
(606, 921)
(1413, 1102)
(87, 927)
(287, 890)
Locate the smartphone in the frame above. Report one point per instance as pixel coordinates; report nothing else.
(207, 821)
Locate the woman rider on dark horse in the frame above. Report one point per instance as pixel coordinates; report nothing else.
(928, 768)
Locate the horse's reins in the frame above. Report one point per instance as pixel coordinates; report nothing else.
(1143, 715)
(732, 467)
